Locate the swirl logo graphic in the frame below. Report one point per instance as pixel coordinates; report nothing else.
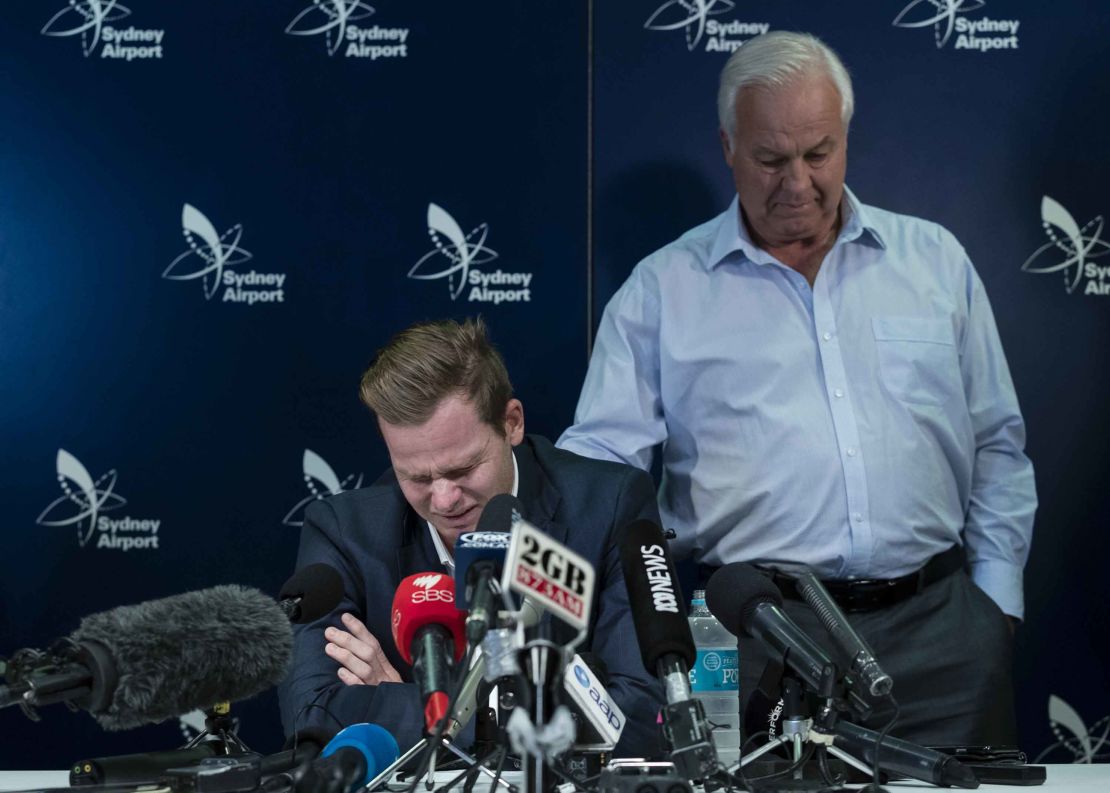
(939, 13)
(1085, 744)
(216, 251)
(690, 15)
(192, 724)
(329, 17)
(85, 19)
(461, 251)
(1074, 244)
(427, 581)
(321, 481)
(88, 500)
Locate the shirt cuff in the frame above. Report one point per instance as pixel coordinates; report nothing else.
(1003, 582)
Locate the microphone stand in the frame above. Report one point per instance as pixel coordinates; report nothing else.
(221, 725)
(798, 729)
(446, 741)
(907, 760)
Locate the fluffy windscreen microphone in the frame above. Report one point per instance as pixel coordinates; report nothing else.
(312, 592)
(188, 651)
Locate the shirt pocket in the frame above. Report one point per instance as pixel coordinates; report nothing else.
(918, 360)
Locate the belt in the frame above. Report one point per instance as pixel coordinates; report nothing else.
(868, 594)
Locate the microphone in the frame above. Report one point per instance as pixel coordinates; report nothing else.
(141, 664)
(141, 768)
(745, 601)
(666, 644)
(145, 768)
(311, 592)
(600, 720)
(351, 759)
(902, 757)
(428, 631)
(479, 559)
(863, 662)
(301, 748)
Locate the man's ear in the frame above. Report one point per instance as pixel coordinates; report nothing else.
(726, 146)
(513, 422)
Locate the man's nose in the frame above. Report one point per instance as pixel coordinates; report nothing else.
(795, 177)
(445, 495)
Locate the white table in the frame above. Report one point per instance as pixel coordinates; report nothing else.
(1061, 779)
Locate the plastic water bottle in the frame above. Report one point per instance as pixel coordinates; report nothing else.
(715, 678)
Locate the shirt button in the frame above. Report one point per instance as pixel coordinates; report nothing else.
(826, 336)
(851, 451)
(857, 517)
(838, 393)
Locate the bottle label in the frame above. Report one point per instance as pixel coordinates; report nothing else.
(716, 670)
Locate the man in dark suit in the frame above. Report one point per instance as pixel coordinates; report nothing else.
(455, 437)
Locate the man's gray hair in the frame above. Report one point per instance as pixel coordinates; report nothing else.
(773, 60)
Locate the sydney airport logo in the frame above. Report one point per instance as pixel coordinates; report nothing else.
(1069, 250)
(335, 21)
(453, 257)
(696, 19)
(946, 17)
(321, 481)
(92, 21)
(83, 503)
(210, 257)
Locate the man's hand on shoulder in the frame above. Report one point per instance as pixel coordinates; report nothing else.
(361, 658)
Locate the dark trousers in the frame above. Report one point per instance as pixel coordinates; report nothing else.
(948, 650)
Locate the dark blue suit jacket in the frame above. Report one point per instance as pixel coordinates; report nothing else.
(374, 539)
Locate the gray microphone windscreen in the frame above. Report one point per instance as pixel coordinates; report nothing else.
(189, 651)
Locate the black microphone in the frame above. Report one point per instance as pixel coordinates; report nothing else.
(146, 663)
(141, 768)
(666, 644)
(744, 601)
(479, 559)
(862, 658)
(145, 768)
(301, 748)
(904, 758)
(311, 593)
(349, 761)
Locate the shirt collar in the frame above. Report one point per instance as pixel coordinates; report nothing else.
(732, 235)
(442, 551)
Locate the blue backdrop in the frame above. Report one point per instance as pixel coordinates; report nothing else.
(212, 214)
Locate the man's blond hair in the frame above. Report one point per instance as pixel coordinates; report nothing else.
(430, 361)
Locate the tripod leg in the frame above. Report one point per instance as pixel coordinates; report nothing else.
(762, 750)
(859, 765)
(468, 758)
(387, 772)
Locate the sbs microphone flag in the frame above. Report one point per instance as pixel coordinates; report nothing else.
(429, 633)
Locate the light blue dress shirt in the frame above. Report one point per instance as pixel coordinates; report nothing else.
(858, 427)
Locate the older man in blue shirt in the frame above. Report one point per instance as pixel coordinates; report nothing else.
(829, 390)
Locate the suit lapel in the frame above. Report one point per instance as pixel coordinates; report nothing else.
(537, 494)
(417, 553)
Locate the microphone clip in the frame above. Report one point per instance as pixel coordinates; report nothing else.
(59, 674)
(691, 744)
